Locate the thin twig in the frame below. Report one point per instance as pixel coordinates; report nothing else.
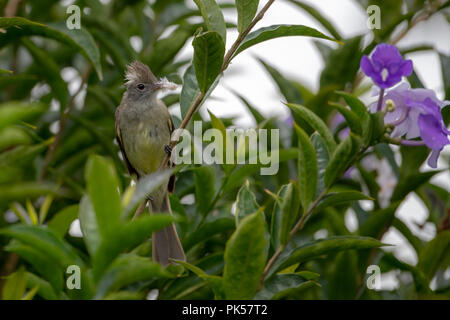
(294, 230)
(226, 61)
(62, 123)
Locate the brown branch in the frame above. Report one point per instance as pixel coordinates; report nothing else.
(226, 61)
(294, 230)
(11, 8)
(62, 123)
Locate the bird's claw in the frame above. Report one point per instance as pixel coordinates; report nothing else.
(168, 149)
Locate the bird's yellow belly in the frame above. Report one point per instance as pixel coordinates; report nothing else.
(145, 150)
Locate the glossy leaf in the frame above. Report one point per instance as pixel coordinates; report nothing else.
(314, 121)
(322, 160)
(77, 39)
(204, 188)
(246, 10)
(213, 17)
(245, 203)
(103, 189)
(278, 31)
(209, 50)
(245, 258)
(338, 198)
(317, 248)
(307, 169)
(129, 269)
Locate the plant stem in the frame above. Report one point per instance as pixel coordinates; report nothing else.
(62, 123)
(226, 61)
(380, 100)
(294, 230)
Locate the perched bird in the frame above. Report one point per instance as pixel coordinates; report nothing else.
(143, 130)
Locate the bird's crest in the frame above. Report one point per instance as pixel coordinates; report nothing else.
(137, 72)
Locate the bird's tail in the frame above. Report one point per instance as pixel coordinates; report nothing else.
(165, 243)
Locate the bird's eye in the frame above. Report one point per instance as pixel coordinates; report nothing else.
(141, 86)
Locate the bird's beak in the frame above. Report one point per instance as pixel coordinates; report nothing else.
(164, 84)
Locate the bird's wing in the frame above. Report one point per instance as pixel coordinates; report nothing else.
(131, 169)
(171, 186)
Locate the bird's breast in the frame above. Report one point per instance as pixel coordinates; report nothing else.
(144, 140)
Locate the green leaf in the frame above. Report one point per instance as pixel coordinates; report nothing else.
(245, 202)
(209, 50)
(239, 175)
(279, 284)
(50, 70)
(407, 233)
(278, 31)
(319, 17)
(340, 159)
(411, 183)
(285, 214)
(207, 230)
(15, 285)
(445, 69)
(204, 188)
(307, 169)
(14, 112)
(245, 258)
(213, 17)
(103, 189)
(89, 225)
(126, 237)
(354, 123)
(44, 240)
(3, 71)
(342, 64)
(224, 144)
(45, 290)
(316, 123)
(129, 269)
(435, 255)
(322, 160)
(343, 283)
(338, 198)
(24, 190)
(170, 45)
(355, 104)
(190, 90)
(61, 221)
(45, 266)
(30, 294)
(287, 88)
(80, 39)
(215, 282)
(145, 186)
(379, 221)
(317, 248)
(246, 10)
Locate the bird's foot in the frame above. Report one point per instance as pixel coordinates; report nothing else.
(168, 149)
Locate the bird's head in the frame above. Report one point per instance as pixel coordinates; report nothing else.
(142, 83)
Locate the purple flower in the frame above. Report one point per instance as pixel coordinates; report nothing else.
(432, 129)
(418, 113)
(386, 66)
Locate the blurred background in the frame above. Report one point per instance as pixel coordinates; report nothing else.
(127, 30)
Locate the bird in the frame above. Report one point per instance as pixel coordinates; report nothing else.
(143, 131)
